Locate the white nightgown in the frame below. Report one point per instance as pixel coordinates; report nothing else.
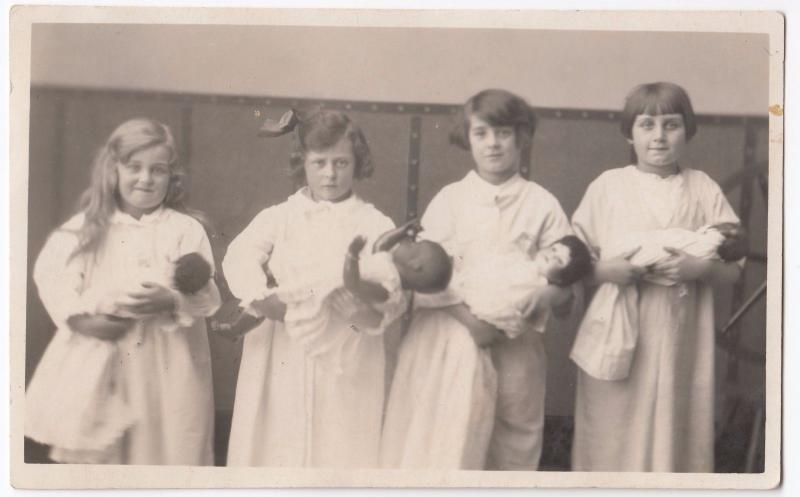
(661, 417)
(290, 410)
(143, 399)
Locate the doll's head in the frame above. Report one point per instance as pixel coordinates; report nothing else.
(734, 245)
(192, 273)
(424, 266)
(564, 262)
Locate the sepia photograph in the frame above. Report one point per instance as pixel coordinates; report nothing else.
(309, 248)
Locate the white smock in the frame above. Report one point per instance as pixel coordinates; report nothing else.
(291, 409)
(448, 407)
(145, 398)
(661, 417)
(607, 336)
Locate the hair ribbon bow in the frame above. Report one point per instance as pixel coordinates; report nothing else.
(286, 124)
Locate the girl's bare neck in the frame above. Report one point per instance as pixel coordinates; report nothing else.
(662, 171)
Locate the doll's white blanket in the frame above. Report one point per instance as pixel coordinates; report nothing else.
(606, 340)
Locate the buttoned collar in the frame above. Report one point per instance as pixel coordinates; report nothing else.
(303, 201)
(487, 193)
(121, 217)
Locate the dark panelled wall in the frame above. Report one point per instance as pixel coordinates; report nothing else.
(234, 174)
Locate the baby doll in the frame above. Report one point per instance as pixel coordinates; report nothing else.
(190, 274)
(725, 241)
(607, 337)
(397, 262)
(505, 282)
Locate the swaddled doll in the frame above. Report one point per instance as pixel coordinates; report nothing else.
(189, 274)
(397, 263)
(606, 339)
(502, 284)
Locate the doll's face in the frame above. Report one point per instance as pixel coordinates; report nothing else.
(659, 142)
(143, 180)
(494, 150)
(553, 259)
(330, 172)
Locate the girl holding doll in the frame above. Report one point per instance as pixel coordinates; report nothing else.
(317, 401)
(660, 417)
(127, 377)
(448, 407)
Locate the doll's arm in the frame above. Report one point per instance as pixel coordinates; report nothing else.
(367, 291)
(246, 321)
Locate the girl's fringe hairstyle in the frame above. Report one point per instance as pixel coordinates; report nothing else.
(498, 108)
(656, 99)
(101, 199)
(317, 129)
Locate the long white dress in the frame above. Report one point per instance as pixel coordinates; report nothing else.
(661, 417)
(291, 410)
(448, 407)
(143, 399)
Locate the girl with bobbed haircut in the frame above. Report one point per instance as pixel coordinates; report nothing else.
(320, 130)
(656, 99)
(498, 108)
(478, 402)
(647, 403)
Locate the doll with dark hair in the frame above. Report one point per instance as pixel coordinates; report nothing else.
(502, 282)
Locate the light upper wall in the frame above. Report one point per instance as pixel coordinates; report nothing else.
(724, 73)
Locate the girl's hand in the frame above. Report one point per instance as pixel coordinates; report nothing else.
(271, 307)
(682, 267)
(101, 326)
(151, 299)
(619, 270)
(483, 334)
(354, 309)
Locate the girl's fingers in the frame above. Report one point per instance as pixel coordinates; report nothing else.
(627, 255)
